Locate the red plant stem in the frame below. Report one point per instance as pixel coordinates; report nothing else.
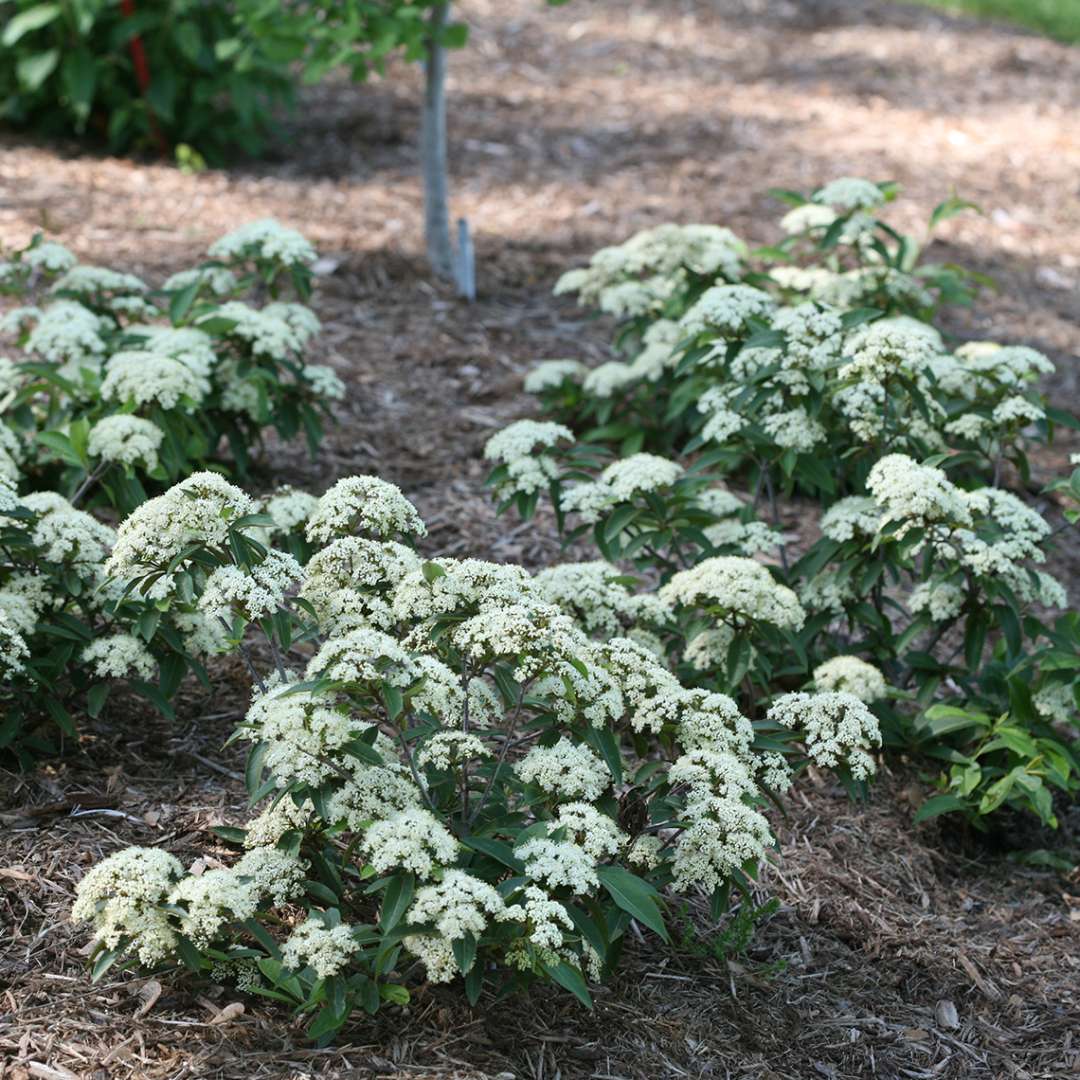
(142, 77)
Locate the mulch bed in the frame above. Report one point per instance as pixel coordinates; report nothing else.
(896, 951)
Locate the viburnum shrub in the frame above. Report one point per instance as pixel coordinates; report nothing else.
(70, 634)
(121, 389)
(697, 312)
(927, 573)
(464, 771)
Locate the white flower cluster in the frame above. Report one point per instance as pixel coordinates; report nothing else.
(118, 656)
(265, 240)
(853, 676)
(522, 449)
(915, 495)
(126, 440)
(853, 517)
(725, 310)
(363, 504)
(551, 374)
(70, 536)
(619, 483)
(256, 592)
(566, 770)
(741, 590)
(651, 263)
(122, 897)
(150, 378)
(13, 648)
(326, 949)
(850, 193)
(197, 510)
(66, 333)
(216, 280)
(598, 599)
(837, 727)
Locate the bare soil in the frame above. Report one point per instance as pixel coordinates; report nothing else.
(896, 951)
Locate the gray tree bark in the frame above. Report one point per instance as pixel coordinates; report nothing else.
(433, 167)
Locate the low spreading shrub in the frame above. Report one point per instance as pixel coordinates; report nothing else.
(821, 381)
(118, 391)
(452, 771)
(121, 389)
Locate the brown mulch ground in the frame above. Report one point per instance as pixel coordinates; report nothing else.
(570, 130)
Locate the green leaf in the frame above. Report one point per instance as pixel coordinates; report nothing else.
(33, 70)
(939, 804)
(396, 900)
(569, 978)
(180, 302)
(465, 953)
(31, 19)
(79, 76)
(102, 962)
(61, 445)
(495, 849)
(95, 698)
(950, 208)
(636, 897)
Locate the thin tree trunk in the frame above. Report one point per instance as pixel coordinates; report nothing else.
(440, 251)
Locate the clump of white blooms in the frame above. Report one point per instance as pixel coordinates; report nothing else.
(565, 770)
(809, 217)
(290, 508)
(795, 430)
(837, 727)
(850, 193)
(13, 648)
(608, 379)
(255, 593)
(941, 600)
(618, 483)
(265, 333)
(122, 897)
(217, 280)
(853, 676)
(66, 333)
(853, 517)
(522, 449)
(558, 863)
(600, 601)
(726, 310)
(144, 378)
(413, 840)
(264, 240)
(126, 440)
(740, 589)
(631, 277)
(326, 949)
(197, 510)
(913, 494)
(363, 504)
(549, 374)
(119, 656)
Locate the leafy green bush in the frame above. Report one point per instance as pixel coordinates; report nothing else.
(931, 577)
(119, 391)
(122, 388)
(146, 76)
(451, 770)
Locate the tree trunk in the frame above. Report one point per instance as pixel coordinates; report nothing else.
(440, 251)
